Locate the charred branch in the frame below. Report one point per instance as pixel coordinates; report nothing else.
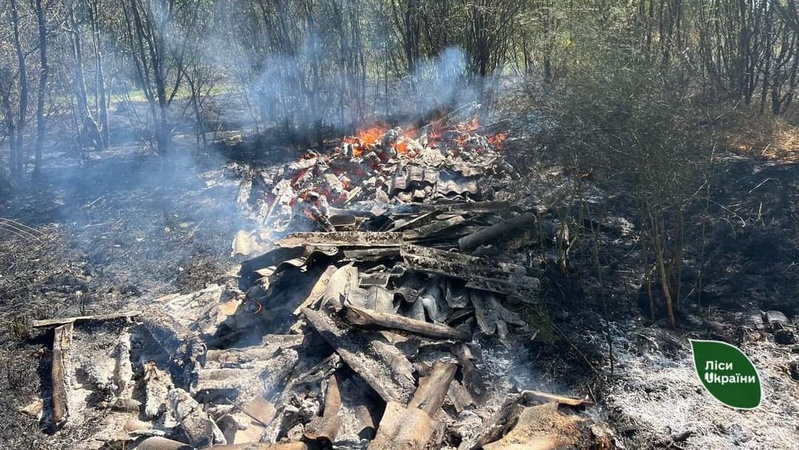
(382, 321)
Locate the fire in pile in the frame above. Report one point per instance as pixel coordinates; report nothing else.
(391, 274)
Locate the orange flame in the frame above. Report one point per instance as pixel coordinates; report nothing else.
(371, 136)
(470, 126)
(402, 146)
(434, 134)
(497, 140)
(309, 215)
(364, 139)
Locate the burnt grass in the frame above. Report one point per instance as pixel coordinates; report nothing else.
(132, 226)
(128, 228)
(750, 259)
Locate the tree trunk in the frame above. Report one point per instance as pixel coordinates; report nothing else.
(202, 142)
(88, 130)
(100, 93)
(660, 250)
(40, 120)
(17, 135)
(145, 27)
(163, 128)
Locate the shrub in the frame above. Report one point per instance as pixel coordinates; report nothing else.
(632, 126)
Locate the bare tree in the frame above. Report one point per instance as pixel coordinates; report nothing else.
(491, 26)
(41, 123)
(16, 125)
(145, 23)
(100, 97)
(407, 16)
(159, 34)
(88, 130)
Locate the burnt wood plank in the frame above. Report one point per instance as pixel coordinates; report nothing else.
(68, 320)
(60, 373)
(497, 231)
(480, 273)
(381, 365)
(433, 388)
(382, 321)
(342, 239)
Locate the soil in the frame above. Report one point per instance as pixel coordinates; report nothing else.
(649, 391)
(132, 226)
(112, 236)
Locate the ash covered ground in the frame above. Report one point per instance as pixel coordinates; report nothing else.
(132, 227)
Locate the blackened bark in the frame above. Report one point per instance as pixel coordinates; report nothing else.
(41, 123)
(17, 135)
(101, 97)
(88, 129)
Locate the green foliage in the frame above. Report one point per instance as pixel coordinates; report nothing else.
(310, 64)
(635, 128)
(628, 123)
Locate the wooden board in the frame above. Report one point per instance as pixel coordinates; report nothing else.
(380, 364)
(60, 373)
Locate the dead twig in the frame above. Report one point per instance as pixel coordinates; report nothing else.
(19, 229)
(69, 320)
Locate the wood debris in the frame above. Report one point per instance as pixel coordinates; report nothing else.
(60, 374)
(99, 317)
(367, 333)
(200, 429)
(377, 320)
(545, 427)
(342, 239)
(494, 232)
(326, 426)
(381, 365)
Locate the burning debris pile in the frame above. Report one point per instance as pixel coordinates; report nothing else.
(376, 325)
(378, 169)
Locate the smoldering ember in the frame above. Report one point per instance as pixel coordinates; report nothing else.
(398, 224)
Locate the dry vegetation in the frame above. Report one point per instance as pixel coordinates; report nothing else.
(661, 137)
(760, 135)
